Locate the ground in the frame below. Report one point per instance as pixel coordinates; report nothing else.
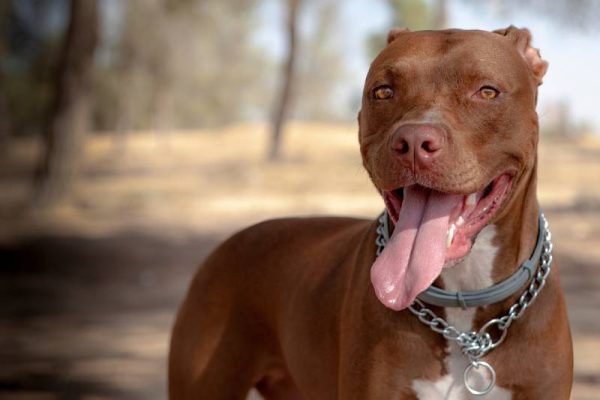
(88, 291)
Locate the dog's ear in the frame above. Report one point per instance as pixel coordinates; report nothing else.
(522, 40)
(394, 33)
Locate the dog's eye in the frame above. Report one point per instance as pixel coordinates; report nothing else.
(383, 92)
(488, 93)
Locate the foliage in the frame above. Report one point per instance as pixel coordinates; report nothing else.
(167, 63)
(194, 65)
(176, 63)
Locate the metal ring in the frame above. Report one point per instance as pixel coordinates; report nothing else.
(476, 365)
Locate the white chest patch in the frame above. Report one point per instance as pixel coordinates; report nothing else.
(471, 274)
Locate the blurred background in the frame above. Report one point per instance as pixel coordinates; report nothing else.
(135, 135)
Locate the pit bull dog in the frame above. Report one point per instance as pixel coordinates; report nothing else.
(303, 308)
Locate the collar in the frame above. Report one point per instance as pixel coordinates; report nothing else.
(493, 294)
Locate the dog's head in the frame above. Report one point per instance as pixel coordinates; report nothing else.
(447, 129)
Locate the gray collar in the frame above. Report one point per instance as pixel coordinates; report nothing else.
(493, 294)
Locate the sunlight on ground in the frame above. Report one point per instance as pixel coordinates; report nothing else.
(206, 180)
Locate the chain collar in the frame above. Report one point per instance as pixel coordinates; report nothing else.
(476, 345)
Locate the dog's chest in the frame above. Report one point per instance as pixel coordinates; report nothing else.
(474, 273)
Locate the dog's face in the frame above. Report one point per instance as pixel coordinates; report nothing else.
(447, 127)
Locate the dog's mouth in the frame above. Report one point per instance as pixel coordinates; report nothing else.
(432, 229)
(468, 216)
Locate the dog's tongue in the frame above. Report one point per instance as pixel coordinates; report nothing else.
(415, 254)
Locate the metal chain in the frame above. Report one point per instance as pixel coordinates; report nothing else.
(475, 345)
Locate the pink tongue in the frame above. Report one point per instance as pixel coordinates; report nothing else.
(415, 254)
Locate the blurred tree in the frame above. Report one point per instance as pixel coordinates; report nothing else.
(221, 73)
(195, 66)
(321, 66)
(30, 37)
(68, 120)
(175, 63)
(5, 126)
(6, 9)
(315, 91)
(283, 100)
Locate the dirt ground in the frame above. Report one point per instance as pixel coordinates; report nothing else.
(88, 291)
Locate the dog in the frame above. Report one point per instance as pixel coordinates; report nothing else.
(303, 308)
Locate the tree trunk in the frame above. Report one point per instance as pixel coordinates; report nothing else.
(69, 115)
(282, 102)
(5, 125)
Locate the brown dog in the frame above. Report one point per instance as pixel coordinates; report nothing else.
(302, 309)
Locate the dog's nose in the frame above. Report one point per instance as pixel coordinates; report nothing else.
(418, 144)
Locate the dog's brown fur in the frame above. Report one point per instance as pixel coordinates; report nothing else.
(287, 306)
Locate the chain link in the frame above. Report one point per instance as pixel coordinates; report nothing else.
(475, 345)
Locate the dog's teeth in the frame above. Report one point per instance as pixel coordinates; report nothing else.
(472, 199)
(450, 236)
(460, 221)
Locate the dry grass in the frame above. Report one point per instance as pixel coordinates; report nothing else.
(207, 179)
